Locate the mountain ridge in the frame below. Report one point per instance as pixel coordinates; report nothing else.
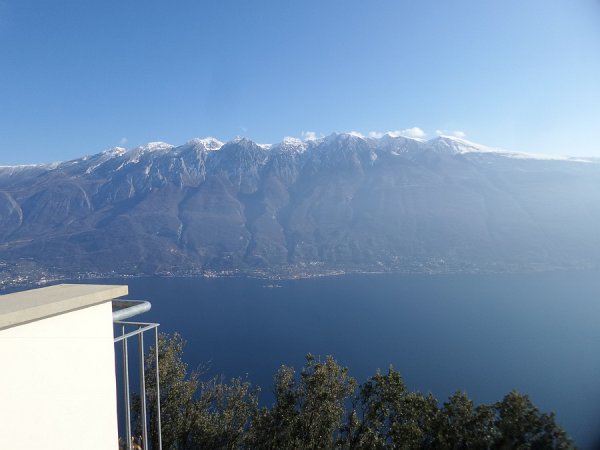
(210, 143)
(339, 203)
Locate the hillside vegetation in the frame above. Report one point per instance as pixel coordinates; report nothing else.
(323, 407)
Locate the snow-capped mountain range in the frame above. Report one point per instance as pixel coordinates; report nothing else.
(343, 202)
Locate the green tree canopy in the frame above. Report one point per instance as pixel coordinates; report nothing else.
(322, 407)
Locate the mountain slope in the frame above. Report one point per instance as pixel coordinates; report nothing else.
(338, 203)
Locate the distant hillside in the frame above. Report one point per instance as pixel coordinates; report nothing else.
(339, 203)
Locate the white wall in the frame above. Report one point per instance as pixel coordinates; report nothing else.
(57, 382)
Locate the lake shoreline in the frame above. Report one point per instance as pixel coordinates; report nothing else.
(34, 280)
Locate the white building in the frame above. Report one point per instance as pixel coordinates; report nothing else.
(57, 366)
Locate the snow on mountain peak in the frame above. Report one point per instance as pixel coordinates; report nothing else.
(458, 145)
(288, 140)
(396, 135)
(461, 146)
(209, 143)
(343, 136)
(291, 144)
(115, 151)
(99, 159)
(389, 143)
(150, 147)
(354, 134)
(153, 147)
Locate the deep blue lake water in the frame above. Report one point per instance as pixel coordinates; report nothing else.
(485, 334)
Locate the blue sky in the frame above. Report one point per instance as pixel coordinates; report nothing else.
(80, 76)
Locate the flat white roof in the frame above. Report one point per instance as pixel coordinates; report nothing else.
(36, 304)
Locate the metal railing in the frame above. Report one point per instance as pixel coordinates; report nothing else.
(133, 330)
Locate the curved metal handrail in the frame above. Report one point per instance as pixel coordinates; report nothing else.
(129, 308)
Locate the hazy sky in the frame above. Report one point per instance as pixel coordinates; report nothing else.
(80, 76)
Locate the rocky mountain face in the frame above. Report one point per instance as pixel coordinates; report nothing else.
(343, 202)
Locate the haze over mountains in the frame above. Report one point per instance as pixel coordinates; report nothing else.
(343, 202)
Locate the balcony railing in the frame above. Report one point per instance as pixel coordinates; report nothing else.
(125, 333)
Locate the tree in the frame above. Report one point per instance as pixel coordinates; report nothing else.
(386, 414)
(177, 389)
(224, 411)
(309, 412)
(194, 414)
(461, 426)
(522, 426)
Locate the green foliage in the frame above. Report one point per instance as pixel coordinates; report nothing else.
(223, 414)
(194, 414)
(323, 408)
(462, 426)
(177, 390)
(386, 414)
(522, 426)
(308, 412)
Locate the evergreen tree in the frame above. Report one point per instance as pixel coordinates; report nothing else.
(310, 412)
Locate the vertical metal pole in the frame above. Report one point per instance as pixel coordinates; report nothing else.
(126, 392)
(143, 393)
(157, 388)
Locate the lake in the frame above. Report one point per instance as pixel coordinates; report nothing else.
(484, 334)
